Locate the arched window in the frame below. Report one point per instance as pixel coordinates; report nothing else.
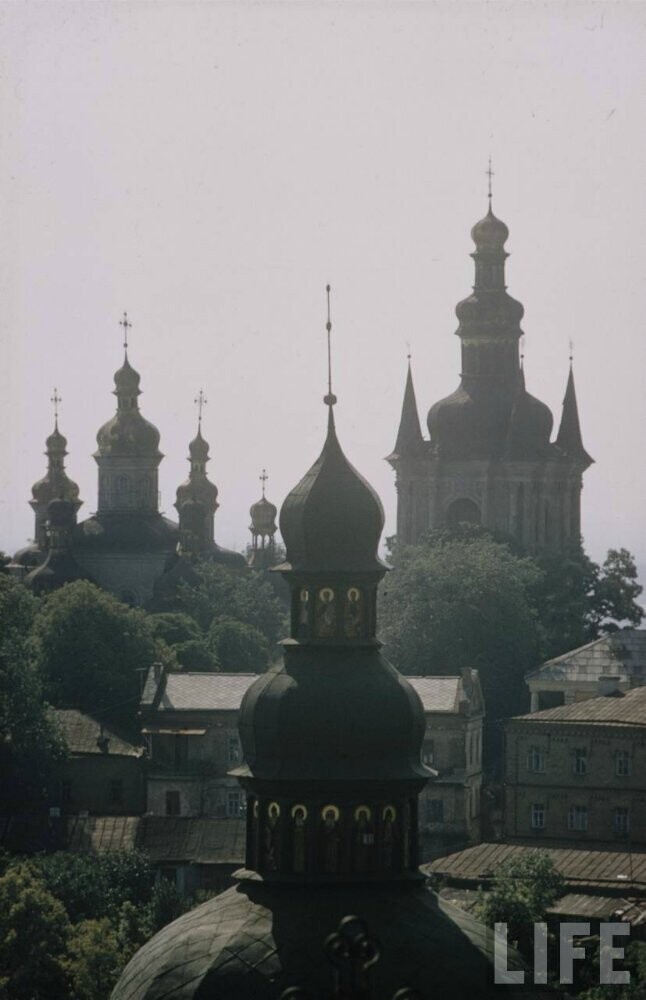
(463, 511)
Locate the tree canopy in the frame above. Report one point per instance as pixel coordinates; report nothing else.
(522, 890)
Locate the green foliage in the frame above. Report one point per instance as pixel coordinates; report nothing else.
(95, 958)
(242, 597)
(166, 904)
(522, 890)
(34, 931)
(89, 647)
(174, 628)
(578, 600)
(463, 600)
(96, 886)
(195, 655)
(237, 647)
(29, 743)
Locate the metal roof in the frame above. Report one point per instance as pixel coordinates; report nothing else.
(200, 840)
(576, 904)
(616, 870)
(186, 691)
(627, 709)
(82, 733)
(621, 654)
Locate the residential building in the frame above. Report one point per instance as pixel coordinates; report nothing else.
(576, 773)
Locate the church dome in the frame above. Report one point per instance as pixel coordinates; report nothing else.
(490, 233)
(128, 433)
(198, 448)
(333, 518)
(200, 489)
(56, 443)
(126, 379)
(263, 517)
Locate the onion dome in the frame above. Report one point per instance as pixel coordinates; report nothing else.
(198, 486)
(263, 517)
(55, 484)
(56, 443)
(59, 567)
(127, 434)
(490, 234)
(198, 448)
(530, 426)
(333, 519)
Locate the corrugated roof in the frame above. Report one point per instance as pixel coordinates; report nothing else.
(620, 654)
(576, 904)
(98, 834)
(619, 870)
(81, 733)
(224, 692)
(200, 840)
(628, 709)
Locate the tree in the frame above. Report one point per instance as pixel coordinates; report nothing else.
(89, 648)
(237, 647)
(241, 597)
(94, 960)
(195, 655)
(34, 930)
(463, 600)
(29, 744)
(174, 628)
(578, 600)
(522, 890)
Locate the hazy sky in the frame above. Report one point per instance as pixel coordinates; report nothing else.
(211, 166)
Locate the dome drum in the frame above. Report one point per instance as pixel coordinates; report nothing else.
(340, 610)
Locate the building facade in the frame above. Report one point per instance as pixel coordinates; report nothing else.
(576, 772)
(490, 459)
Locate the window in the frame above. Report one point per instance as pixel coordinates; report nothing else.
(535, 759)
(234, 802)
(580, 761)
(234, 754)
(577, 818)
(116, 792)
(428, 752)
(538, 816)
(621, 820)
(172, 803)
(623, 764)
(434, 811)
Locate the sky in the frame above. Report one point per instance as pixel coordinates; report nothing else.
(210, 167)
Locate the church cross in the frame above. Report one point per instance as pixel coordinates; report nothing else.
(56, 399)
(330, 399)
(489, 173)
(126, 326)
(200, 401)
(263, 479)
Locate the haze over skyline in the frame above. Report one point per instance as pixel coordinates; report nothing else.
(211, 167)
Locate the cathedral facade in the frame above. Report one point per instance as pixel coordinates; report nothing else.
(490, 458)
(128, 547)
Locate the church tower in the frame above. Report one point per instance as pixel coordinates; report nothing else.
(262, 528)
(490, 459)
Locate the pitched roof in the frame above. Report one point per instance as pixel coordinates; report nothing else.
(409, 436)
(80, 834)
(201, 840)
(611, 870)
(186, 691)
(613, 710)
(82, 733)
(620, 654)
(569, 437)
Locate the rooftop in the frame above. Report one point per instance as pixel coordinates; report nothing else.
(627, 709)
(617, 871)
(83, 734)
(620, 654)
(187, 691)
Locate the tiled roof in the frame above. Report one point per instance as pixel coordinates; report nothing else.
(224, 692)
(621, 654)
(199, 839)
(628, 709)
(438, 694)
(81, 733)
(611, 870)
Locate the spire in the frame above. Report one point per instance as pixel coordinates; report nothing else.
(489, 176)
(263, 528)
(127, 325)
(56, 399)
(409, 441)
(330, 399)
(569, 438)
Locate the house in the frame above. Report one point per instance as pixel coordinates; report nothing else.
(615, 661)
(190, 723)
(576, 773)
(103, 773)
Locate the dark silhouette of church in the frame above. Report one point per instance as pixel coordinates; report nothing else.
(490, 459)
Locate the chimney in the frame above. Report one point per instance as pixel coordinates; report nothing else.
(608, 686)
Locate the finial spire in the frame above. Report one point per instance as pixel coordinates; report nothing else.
(571, 346)
(489, 176)
(126, 326)
(201, 401)
(263, 479)
(522, 351)
(408, 352)
(330, 399)
(56, 399)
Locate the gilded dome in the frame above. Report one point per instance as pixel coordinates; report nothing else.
(332, 520)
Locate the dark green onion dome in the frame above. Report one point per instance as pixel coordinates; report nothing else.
(333, 518)
(130, 531)
(263, 517)
(59, 567)
(55, 483)
(198, 486)
(530, 425)
(128, 433)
